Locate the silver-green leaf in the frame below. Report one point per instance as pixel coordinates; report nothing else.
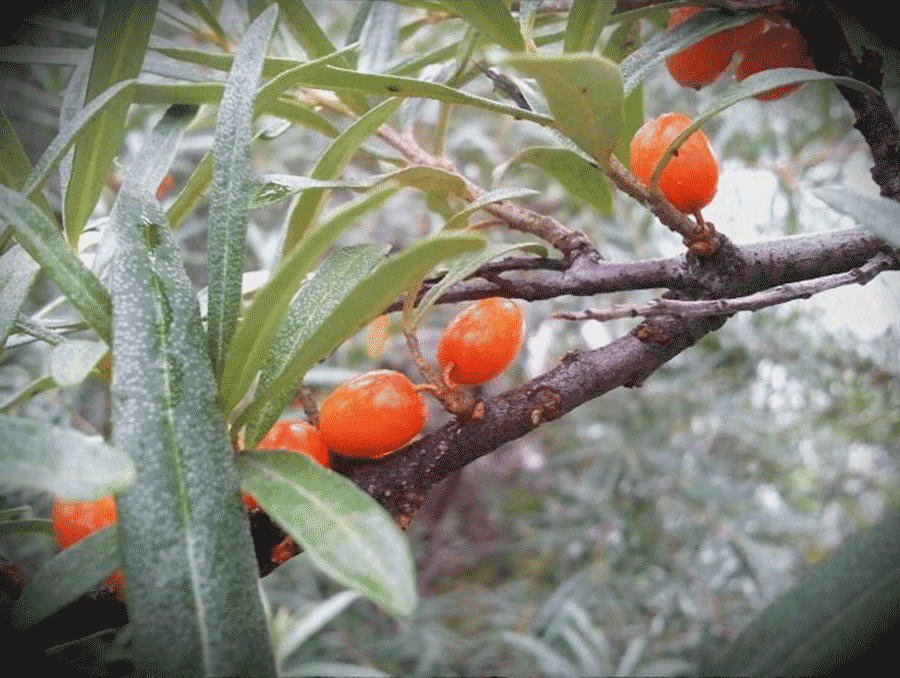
(346, 533)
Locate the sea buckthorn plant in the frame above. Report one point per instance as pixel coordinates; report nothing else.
(410, 304)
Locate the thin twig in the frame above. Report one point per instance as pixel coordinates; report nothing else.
(570, 243)
(752, 302)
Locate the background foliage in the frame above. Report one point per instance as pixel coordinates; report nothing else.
(639, 534)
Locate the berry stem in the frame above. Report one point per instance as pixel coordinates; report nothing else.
(676, 221)
(454, 399)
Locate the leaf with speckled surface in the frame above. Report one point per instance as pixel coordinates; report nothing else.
(72, 573)
(344, 530)
(229, 197)
(64, 462)
(332, 281)
(193, 598)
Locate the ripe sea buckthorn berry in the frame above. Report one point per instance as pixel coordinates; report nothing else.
(690, 178)
(481, 341)
(372, 414)
(294, 435)
(72, 521)
(744, 34)
(778, 47)
(703, 62)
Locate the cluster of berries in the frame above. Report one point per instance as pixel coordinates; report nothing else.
(762, 44)
(690, 178)
(367, 416)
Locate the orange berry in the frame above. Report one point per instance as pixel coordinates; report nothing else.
(164, 187)
(703, 62)
(283, 551)
(294, 435)
(72, 521)
(250, 502)
(743, 35)
(372, 414)
(690, 178)
(481, 341)
(778, 47)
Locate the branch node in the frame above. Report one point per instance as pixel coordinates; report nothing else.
(547, 405)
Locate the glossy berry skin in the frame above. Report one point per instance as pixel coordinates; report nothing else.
(72, 521)
(778, 47)
(372, 414)
(690, 178)
(294, 435)
(481, 341)
(703, 62)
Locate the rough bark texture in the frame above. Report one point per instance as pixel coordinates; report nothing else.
(402, 481)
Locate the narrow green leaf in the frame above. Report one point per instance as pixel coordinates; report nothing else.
(840, 608)
(313, 39)
(72, 360)
(195, 93)
(332, 78)
(365, 302)
(877, 214)
(273, 188)
(64, 462)
(378, 42)
(290, 77)
(584, 93)
(463, 267)
(492, 19)
(586, 20)
(358, 22)
(202, 11)
(17, 274)
(122, 91)
(37, 386)
(44, 242)
(72, 102)
(27, 526)
(428, 179)
(38, 330)
(255, 332)
(312, 621)
(231, 177)
(776, 77)
(527, 14)
(117, 56)
(330, 164)
(68, 576)
(219, 61)
(312, 305)
(193, 191)
(305, 28)
(301, 114)
(193, 599)
(14, 163)
(579, 176)
(346, 533)
(754, 84)
(644, 60)
(459, 220)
